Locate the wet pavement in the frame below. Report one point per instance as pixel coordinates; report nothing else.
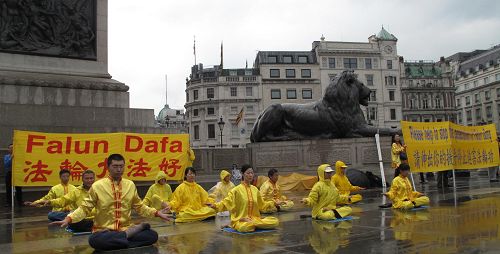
(467, 221)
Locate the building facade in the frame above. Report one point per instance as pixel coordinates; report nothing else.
(376, 64)
(172, 119)
(427, 90)
(477, 79)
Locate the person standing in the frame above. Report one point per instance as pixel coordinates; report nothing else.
(493, 171)
(7, 163)
(113, 199)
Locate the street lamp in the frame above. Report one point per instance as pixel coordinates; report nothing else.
(221, 127)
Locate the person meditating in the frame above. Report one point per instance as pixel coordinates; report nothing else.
(244, 203)
(160, 193)
(190, 200)
(221, 189)
(324, 197)
(343, 184)
(113, 198)
(401, 192)
(58, 213)
(270, 191)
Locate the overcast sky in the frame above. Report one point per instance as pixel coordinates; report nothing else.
(148, 39)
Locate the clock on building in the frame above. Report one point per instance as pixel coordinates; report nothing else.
(388, 49)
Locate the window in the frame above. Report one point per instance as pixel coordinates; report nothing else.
(486, 80)
(391, 96)
(477, 98)
(413, 102)
(489, 112)
(459, 116)
(291, 94)
(475, 83)
(274, 73)
(210, 111)
(350, 63)
(290, 73)
(195, 95)
(425, 102)
(498, 92)
(307, 94)
(410, 83)
(233, 73)
(331, 63)
(187, 97)
(459, 102)
(497, 77)
(467, 100)
(487, 95)
(389, 64)
(469, 115)
(211, 131)
(393, 114)
(234, 91)
(248, 73)
(195, 112)
(437, 102)
(210, 93)
(234, 130)
(478, 114)
(305, 73)
(250, 109)
(287, 59)
(369, 79)
(373, 95)
(275, 94)
(271, 59)
(196, 130)
(368, 63)
(372, 113)
(391, 81)
(249, 91)
(234, 110)
(249, 128)
(302, 59)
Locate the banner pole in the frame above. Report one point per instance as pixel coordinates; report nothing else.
(413, 182)
(454, 188)
(381, 165)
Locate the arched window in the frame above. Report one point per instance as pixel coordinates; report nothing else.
(425, 102)
(437, 101)
(413, 102)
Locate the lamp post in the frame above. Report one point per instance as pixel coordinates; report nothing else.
(221, 127)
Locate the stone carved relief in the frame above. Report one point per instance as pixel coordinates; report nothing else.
(277, 158)
(62, 28)
(318, 157)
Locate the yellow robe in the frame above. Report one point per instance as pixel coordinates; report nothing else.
(113, 202)
(73, 199)
(327, 237)
(271, 192)
(222, 188)
(395, 151)
(191, 158)
(402, 194)
(344, 185)
(57, 192)
(189, 202)
(324, 194)
(245, 202)
(158, 193)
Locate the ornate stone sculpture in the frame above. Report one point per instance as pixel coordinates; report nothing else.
(337, 115)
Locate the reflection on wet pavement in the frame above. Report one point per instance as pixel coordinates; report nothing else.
(468, 223)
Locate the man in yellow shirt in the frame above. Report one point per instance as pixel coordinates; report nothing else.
(401, 192)
(160, 193)
(324, 197)
(113, 199)
(270, 191)
(58, 213)
(343, 184)
(74, 199)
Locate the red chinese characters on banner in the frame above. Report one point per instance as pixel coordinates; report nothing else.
(76, 170)
(170, 167)
(103, 165)
(138, 168)
(39, 171)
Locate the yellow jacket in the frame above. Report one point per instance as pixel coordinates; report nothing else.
(222, 188)
(402, 190)
(324, 194)
(57, 192)
(191, 158)
(271, 191)
(189, 195)
(395, 151)
(341, 181)
(244, 201)
(72, 199)
(158, 193)
(113, 202)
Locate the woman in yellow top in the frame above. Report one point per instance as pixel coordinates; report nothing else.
(401, 192)
(221, 189)
(244, 203)
(270, 191)
(324, 197)
(343, 184)
(160, 193)
(190, 200)
(396, 150)
(57, 191)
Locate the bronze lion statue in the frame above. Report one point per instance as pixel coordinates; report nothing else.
(336, 115)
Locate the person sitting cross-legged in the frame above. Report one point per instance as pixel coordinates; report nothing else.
(270, 191)
(402, 194)
(343, 184)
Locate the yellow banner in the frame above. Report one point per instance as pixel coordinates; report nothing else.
(38, 157)
(438, 146)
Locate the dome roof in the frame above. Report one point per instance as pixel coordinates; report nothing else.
(170, 112)
(384, 35)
